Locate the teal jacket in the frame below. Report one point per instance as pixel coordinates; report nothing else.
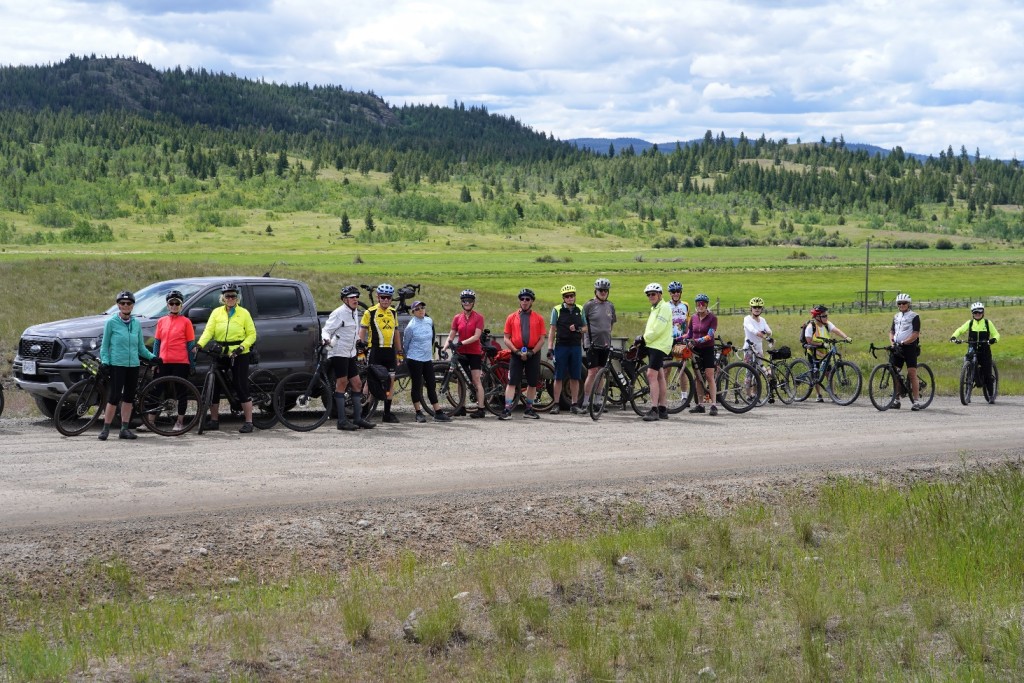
(123, 344)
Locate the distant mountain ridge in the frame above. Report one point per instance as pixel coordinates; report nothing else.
(602, 145)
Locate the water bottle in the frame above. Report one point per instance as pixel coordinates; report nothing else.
(524, 350)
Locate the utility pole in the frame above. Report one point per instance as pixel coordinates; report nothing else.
(867, 266)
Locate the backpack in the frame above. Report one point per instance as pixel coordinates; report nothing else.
(802, 341)
(379, 379)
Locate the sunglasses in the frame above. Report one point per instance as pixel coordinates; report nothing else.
(525, 298)
(978, 312)
(125, 303)
(230, 296)
(173, 303)
(568, 296)
(384, 296)
(757, 307)
(469, 301)
(602, 290)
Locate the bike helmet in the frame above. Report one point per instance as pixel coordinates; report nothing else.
(228, 287)
(757, 301)
(527, 292)
(602, 283)
(977, 306)
(675, 286)
(384, 289)
(819, 309)
(124, 295)
(568, 289)
(702, 297)
(349, 290)
(653, 287)
(467, 295)
(174, 294)
(902, 297)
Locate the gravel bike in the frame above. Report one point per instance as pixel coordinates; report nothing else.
(970, 376)
(157, 402)
(454, 382)
(496, 379)
(738, 384)
(841, 379)
(261, 389)
(776, 376)
(887, 384)
(623, 381)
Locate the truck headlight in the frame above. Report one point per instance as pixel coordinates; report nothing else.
(77, 344)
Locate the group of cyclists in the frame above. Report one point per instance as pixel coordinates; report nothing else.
(578, 340)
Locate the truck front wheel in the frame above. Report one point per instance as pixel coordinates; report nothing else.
(47, 406)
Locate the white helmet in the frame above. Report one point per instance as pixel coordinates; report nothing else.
(902, 297)
(653, 287)
(977, 306)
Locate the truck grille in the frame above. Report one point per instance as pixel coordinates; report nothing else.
(40, 349)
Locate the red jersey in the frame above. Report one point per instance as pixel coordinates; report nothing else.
(174, 333)
(467, 328)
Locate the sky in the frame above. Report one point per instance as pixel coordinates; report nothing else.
(921, 74)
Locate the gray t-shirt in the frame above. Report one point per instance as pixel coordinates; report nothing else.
(600, 318)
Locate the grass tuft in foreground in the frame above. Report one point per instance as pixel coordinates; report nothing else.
(857, 580)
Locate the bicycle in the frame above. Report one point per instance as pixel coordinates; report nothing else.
(156, 403)
(497, 379)
(623, 380)
(733, 380)
(970, 377)
(454, 381)
(887, 384)
(775, 373)
(261, 389)
(841, 379)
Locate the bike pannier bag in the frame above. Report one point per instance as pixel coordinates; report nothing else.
(781, 353)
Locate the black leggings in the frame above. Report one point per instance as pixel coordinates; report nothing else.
(123, 383)
(422, 372)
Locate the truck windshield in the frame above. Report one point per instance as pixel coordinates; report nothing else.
(151, 301)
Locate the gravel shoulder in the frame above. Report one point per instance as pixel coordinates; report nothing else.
(194, 508)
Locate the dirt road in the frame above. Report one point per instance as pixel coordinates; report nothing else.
(162, 502)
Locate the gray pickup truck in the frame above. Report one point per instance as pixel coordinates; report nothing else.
(287, 328)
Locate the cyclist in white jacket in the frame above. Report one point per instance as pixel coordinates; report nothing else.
(341, 334)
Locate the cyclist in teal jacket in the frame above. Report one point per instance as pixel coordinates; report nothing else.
(122, 347)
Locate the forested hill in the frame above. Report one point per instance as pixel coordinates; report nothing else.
(91, 85)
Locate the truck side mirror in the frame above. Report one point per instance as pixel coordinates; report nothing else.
(199, 315)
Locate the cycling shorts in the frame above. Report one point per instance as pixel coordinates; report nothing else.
(344, 367)
(516, 366)
(384, 356)
(471, 361)
(597, 357)
(656, 358)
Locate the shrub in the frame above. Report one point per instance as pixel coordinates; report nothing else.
(943, 243)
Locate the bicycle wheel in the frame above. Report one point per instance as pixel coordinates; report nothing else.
(966, 382)
(844, 383)
(882, 387)
(600, 392)
(451, 389)
(80, 407)
(803, 379)
(733, 385)
(205, 400)
(785, 385)
(495, 380)
(544, 397)
(675, 372)
(640, 392)
(161, 402)
(925, 385)
(261, 389)
(991, 396)
(302, 401)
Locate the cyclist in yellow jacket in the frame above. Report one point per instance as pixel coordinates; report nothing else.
(231, 327)
(658, 338)
(983, 331)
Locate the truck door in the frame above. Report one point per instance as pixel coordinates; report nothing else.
(286, 332)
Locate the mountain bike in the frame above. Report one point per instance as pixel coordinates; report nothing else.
(738, 384)
(841, 379)
(261, 389)
(887, 384)
(622, 381)
(970, 377)
(496, 379)
(157, 402)
(775, 373)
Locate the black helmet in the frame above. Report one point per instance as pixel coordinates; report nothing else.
(349, 290)
(819, 309)
(527, 292)
(174, 294)
(228, 287)
(124, 295)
